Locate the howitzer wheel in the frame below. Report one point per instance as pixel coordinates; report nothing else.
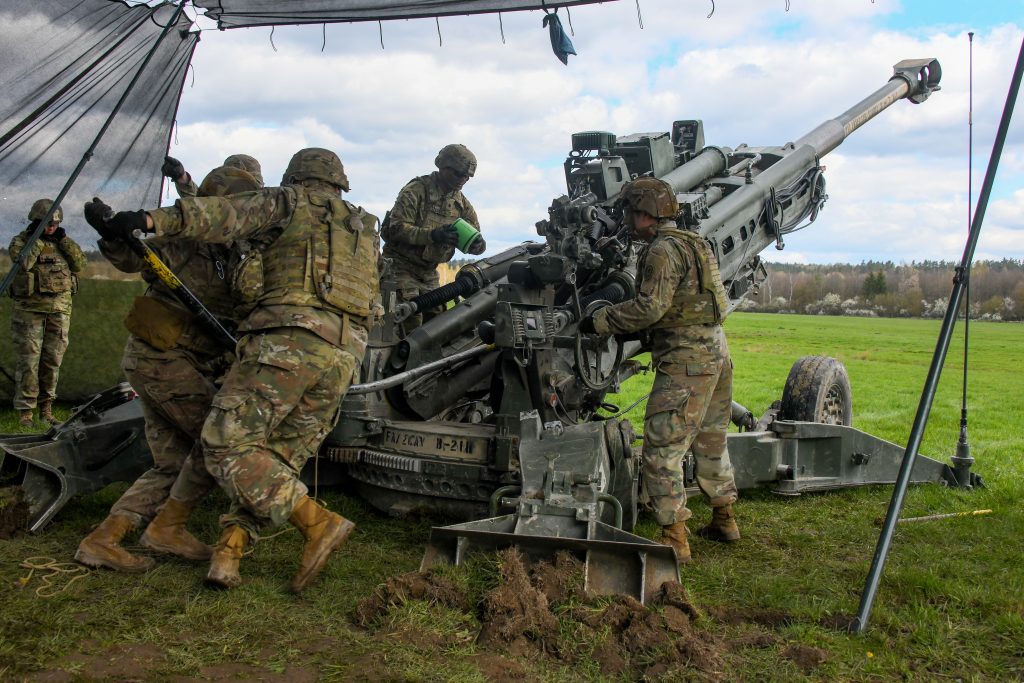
(817, 390)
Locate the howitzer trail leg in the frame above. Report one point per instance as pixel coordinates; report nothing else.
(101, 548)
(167, 533)
(324, 531)
(226, 557)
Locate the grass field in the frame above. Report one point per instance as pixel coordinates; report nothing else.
(950, 606)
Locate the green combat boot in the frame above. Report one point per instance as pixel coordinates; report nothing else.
(101, 548)
(46, 413)
(226, 558)
(25, 418)
(324, 531)
(675, 535)
(167, 533)
(723, 526)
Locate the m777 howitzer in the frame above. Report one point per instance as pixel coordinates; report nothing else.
(493, 403)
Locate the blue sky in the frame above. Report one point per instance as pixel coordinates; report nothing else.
(753, 72)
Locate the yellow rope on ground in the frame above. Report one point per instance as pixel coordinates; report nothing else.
(48, 589)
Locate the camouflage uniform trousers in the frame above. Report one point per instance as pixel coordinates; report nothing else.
(409, 284)
(40, 340)
(278, 403)
(176, 389)
(687, 410)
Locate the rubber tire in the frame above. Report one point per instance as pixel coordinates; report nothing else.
(817, 390)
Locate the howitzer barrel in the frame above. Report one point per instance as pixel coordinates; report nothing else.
(914, 79)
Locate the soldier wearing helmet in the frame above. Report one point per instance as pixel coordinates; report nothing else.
(42, 292)
(300, 346)
(172, 361)
(419, 233)
(681, 302)
(186, 187)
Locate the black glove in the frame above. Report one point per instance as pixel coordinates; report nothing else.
(172, 168)
(447, 235)
(96, 215)
(587, 325)
(125, 223)
(55, 237)
(478, 247)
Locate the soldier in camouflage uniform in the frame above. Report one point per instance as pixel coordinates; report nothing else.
(171, 360)
(42, 292)
(302, 344)
(418, 232)
(681, 301)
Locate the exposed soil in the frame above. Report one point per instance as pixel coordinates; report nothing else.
(525, 616)
(13, 512)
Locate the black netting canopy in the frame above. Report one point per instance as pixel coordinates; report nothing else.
(68, 63)
(238, 13)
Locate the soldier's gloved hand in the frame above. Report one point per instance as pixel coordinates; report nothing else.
(125, 223)
(447, 235)
(172, 168)
(586, 325)
(96, 215)
(478, 246)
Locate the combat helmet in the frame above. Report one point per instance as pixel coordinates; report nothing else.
(315, 163)
(225, 180)
(39, 209)
(247, 164)
(458, 157)
(652, 196)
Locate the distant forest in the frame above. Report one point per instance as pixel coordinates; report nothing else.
(919, 289)
(873, 288)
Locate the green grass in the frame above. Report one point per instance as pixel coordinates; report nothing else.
(950, 605)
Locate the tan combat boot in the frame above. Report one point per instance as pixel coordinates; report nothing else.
(325, 532)
(46, 413)
(101, 549)
(675, 535)
(25, 418)
(226, 558)
(723, 526)
(167, 533)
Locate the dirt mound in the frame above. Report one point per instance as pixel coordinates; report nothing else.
(13, 512)
(426, 586)
(540, 609)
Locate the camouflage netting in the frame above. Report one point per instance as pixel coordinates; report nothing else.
(66, 64)
(239, 13)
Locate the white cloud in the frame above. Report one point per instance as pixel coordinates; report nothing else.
(753, 72)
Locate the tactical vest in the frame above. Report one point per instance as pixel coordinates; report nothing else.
(50, 275)
(325, 258)
(707, 306)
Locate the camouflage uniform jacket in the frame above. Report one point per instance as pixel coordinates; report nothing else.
(422, 206)
(200, 267)
(263, 217)
(61, 262)
(667, 269)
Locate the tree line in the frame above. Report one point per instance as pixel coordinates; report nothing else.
(877, 288)
(870, 288)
